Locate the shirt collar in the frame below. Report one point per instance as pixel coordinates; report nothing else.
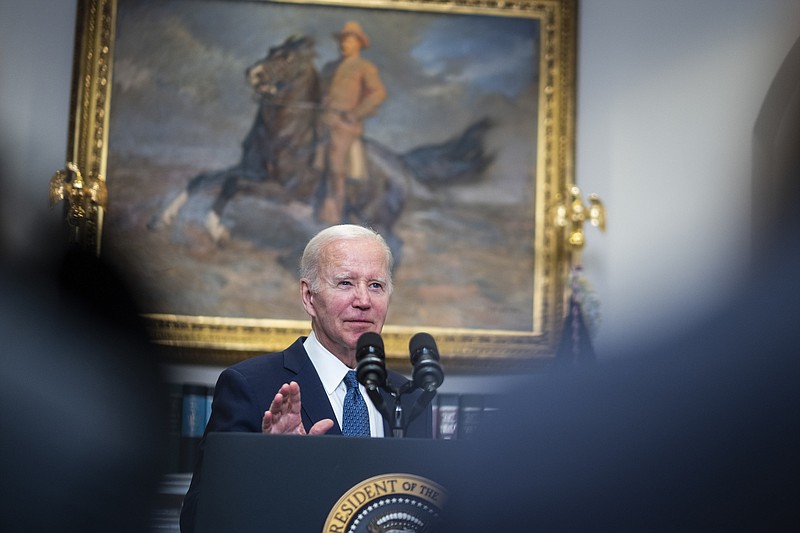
(330, 369)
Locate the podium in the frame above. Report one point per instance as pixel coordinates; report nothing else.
(330, 484)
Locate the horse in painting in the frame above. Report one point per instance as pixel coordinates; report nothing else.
(282, 151)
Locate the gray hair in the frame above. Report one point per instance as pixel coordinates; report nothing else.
(311, 261)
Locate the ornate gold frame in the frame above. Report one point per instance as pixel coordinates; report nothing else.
(218, 340)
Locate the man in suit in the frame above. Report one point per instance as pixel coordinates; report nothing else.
(345, 288)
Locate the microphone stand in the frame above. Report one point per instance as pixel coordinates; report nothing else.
(396, 418)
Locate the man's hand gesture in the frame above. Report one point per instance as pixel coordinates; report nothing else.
(284, 414)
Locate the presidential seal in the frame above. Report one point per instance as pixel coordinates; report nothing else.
(390, 503)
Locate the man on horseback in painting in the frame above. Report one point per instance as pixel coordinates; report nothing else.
(353, 91)
(305, 160)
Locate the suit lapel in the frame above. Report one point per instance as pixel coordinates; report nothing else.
(316, 405)
(388, 399)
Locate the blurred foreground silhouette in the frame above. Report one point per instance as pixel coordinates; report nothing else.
(81, 400)
(701, 433)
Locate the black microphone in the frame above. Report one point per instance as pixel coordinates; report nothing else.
(428, 373)
(371, 361)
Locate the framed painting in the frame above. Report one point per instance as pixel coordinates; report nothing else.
(201, 120)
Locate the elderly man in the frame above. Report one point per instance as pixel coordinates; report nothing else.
(354, 91)
(345, 287)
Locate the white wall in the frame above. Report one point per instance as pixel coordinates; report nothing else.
(35, 72)
(667, 95)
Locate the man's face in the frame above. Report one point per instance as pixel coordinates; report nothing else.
(349, 45)
(353, 297)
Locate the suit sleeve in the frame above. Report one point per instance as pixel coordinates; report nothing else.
(235, 408)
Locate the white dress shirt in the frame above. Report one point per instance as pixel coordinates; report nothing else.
(331, 372)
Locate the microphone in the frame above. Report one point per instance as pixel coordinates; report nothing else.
(428, 374)
(371, 364)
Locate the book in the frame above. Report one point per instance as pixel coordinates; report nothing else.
(470, 414)
(193, 423)
(447, 417)
(174, 422)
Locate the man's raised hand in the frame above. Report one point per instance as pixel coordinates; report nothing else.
(284, 415)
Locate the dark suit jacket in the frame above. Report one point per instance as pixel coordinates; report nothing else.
(245, 390)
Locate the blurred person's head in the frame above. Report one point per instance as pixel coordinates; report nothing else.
(82, 404)
(697, 432)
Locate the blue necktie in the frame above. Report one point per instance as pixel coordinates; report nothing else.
(355, 418)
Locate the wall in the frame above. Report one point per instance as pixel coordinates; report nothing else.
(668, 93)
(35, 72)
(667, 96)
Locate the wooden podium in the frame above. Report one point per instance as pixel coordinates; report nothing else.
(330, 484)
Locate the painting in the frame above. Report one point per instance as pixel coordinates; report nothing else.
(209, 123)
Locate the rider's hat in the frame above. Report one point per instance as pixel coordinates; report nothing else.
(352, 27)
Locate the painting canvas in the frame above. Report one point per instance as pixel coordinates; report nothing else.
(451, 169)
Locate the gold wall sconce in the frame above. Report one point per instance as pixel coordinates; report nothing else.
(572, 214)
(86, 199)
